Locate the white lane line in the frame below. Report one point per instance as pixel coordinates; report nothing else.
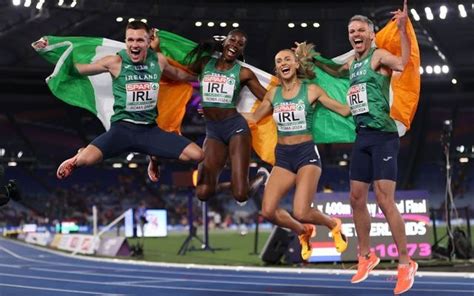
(253, 282)
(159, 287)
(13, 254)
(10, 265)
(56, 290)
(228, 290)
(231, 268)
(242, 276)
(233, 292)
(419, 281)
(160, 281)
(96, 274)
(238, 268)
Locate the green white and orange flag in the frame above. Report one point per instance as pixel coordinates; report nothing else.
(94, 93)
(328, 127)
(264, 133)
(404, 88)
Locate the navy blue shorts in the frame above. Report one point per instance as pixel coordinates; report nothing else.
(374, 156)
(293, 157)
(147, 139)
(224, 130)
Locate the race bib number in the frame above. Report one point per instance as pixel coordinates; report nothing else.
(217, 89)
(357, 99)
(290, 117)
(141, 96)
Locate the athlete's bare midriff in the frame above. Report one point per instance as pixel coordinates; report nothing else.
(295, 139)
(218, 114)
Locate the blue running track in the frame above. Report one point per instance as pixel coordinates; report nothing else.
(27, 270)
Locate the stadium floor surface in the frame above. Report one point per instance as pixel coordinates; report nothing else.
(28, 270)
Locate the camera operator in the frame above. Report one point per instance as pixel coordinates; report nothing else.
(8, 191)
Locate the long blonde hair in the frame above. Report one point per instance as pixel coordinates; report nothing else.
(306, 54)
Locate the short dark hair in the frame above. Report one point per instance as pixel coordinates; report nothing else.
(137, 25)
(364, 19)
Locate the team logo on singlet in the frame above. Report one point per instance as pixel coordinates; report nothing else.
(290, 116)
(217, 88)
(141, 67)
(141, 96)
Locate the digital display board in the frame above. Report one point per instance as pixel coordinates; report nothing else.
(67, 227)
(156, 223)
(413, 206)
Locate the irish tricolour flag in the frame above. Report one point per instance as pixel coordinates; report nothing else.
(94, 93)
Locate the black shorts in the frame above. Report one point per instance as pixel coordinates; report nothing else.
(224, 130)
(374, 156)
(147, 139)
(293, 157)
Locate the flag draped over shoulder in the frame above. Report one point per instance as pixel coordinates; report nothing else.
(404, 89)
(94, 93)
(264, 133)
(328, 127)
